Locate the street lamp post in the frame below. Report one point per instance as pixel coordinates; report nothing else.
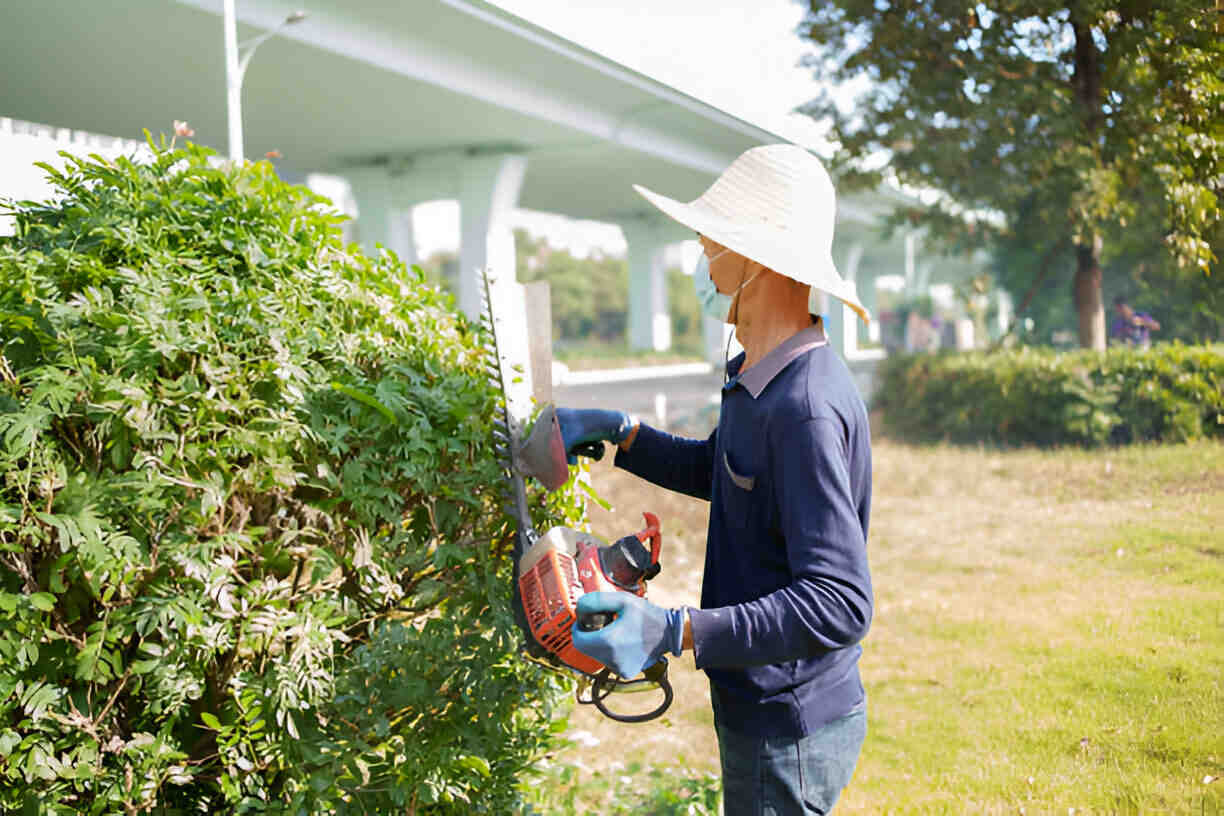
(237, 58)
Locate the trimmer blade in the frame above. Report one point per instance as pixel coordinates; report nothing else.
(542, 456)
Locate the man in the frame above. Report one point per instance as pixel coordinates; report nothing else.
(786, 594)
(1131, 327)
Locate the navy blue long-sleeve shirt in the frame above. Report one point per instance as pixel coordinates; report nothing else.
(786, 595)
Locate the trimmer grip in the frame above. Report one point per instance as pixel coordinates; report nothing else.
(593, 621)
(593, 450)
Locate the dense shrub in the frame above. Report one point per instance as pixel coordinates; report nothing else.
(1044, 397)
(252, 557)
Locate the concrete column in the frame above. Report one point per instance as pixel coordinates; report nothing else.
(911, 238)
(649, 318)
(290, 174)
(715, 333)
(403, 236)
(489, 188)
(853, 257)
(841, 323)
(382, 217)
(833, 312)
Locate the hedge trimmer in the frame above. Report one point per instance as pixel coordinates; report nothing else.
(551, 571)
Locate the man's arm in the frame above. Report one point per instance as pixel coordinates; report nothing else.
(828, 604)
(672, 462)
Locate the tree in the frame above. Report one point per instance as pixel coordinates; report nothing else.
(590, 296)
(1189, 305)
(1073, 120)
(687, 324)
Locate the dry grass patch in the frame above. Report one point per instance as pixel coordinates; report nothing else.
(1049, 633)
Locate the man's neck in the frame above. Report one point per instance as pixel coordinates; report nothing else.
(767, 322)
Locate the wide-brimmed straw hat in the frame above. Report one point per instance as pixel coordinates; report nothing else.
(774, 205)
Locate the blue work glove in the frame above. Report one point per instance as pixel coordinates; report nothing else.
(638, 637)
(584, 431)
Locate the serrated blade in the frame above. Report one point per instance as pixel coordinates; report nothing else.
(500, 369)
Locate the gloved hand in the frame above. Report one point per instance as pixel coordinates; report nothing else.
(584, 431)
(638, 637)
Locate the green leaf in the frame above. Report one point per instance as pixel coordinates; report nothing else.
(365, 399)
(595, 497)
(9, 740)
(475, 763)
(44, 601)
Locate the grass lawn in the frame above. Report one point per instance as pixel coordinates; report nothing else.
(1049, 637)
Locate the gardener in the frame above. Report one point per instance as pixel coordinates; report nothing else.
(786, 594)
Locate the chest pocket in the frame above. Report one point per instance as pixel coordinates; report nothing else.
(743, 494)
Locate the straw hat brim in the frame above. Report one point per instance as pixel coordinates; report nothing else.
(774, 248)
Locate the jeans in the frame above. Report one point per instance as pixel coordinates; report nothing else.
(781, 776)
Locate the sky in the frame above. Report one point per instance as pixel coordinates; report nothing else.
(736, 55)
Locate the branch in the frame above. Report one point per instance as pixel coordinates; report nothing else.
(1045, 267)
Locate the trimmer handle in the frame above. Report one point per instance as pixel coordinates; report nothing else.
(653, 532)
(593, 450)
(626, 566)
(593, 621)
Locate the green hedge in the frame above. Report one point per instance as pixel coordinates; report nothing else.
(1170, 393)
(252, 552)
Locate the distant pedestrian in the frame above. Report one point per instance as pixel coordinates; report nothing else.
(1130, 327)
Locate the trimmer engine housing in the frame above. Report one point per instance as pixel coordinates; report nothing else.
(563, 565)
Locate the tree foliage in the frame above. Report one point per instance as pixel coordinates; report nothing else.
(1188, 303)
(1093, 128)
(252, 552)
(590, 296)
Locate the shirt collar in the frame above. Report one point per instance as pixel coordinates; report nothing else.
(760, 375)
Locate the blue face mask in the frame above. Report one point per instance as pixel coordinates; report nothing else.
(713, 302)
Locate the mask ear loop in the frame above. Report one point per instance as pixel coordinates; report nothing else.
(735, 305)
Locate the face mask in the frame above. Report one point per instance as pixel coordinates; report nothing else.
(713, 302)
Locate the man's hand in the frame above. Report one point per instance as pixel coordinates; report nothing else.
(638, 637)
(585, 431)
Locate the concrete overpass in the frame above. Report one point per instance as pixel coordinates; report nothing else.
(412, 101)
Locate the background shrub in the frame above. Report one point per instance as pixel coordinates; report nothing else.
(1044, 397)
(252, 555)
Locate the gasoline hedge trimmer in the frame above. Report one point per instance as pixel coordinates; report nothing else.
(552, 571)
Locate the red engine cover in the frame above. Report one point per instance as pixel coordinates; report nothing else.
(551, 587)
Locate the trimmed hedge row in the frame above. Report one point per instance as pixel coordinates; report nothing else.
(1170, 393)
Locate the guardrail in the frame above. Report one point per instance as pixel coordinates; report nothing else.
(562, 376)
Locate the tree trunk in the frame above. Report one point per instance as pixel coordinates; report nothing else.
(1086, 82)
(1087, 295)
